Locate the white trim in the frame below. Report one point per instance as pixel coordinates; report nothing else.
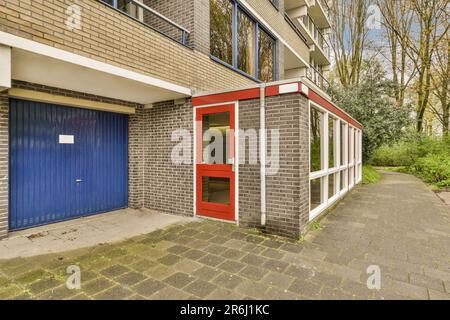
(325, 173)
(236, 162)
(194, 130)
(289, 88)
(59, 54)
(262, 151)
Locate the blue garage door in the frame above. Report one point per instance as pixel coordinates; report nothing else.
(65, 163)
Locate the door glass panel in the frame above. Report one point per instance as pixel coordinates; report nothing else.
(216, 190)
(216, 127)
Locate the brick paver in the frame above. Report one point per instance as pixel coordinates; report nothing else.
(398, 225)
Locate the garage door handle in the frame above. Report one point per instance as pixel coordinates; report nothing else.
(78, 181)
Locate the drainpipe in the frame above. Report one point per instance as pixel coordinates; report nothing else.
(263, 150)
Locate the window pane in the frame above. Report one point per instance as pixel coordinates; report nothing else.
(266, 55)
(221, 35)
(342, 144)
(216, 190)
(331, 162)
(350, 145)
(316, 193)
(129, 8)
(331, 186)
(351, 176)
(316, 140)
(215, 125)
(246, 44)
(343, 176)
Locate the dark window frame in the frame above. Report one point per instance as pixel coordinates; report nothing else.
(236, 7)
(276, 4)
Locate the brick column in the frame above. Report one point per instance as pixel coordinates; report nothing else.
(136, 133)
(4, 148)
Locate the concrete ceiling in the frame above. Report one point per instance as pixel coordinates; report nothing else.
(40, 69)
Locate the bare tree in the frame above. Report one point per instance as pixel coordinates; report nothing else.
(440, 83)
(349, 38)
(420, 44)
(398, 13)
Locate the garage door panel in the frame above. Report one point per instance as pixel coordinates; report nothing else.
(52, 181)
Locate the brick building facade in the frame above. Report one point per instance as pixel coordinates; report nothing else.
(153, 64)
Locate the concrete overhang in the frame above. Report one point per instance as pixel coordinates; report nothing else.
(42, 64)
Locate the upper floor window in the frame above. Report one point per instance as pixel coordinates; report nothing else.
(275, 3)
(238, 40)
(221, 31)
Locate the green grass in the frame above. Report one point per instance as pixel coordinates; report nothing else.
(370, 175)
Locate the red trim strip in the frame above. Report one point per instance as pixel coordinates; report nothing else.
(226, 97)
(271, 91)
(313, 96)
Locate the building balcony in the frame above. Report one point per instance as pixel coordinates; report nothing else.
(141, 10)
(316, 77)
(318, 9)
(313, 32)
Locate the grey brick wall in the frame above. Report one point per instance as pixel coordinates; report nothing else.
(249, 174)
(4, 188)
(136, 137)
(287, 192)
(168, 187)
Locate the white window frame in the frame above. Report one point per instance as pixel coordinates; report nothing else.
(352, 146)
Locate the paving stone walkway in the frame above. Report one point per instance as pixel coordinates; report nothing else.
(398, 225)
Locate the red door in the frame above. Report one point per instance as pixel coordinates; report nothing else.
(215, 158)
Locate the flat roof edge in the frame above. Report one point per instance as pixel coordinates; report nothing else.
(273, 89)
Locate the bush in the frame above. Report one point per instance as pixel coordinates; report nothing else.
(434, 168)
(426, 157)
(370, 175)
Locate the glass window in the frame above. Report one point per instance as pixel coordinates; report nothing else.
(246, 44)
(316, 193)
(331, 158)
(127, 7)
(245, 56)
(266, 56)
(351, 176)
(221, 34)
(343, 144)
(343, 174)
(316, 140)
(350, 145)
(215, 125)
(331, 186)
(216, 190)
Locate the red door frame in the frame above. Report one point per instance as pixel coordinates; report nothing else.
(207, 209)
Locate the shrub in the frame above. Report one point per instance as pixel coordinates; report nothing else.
(426, 157)
(434, 168)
